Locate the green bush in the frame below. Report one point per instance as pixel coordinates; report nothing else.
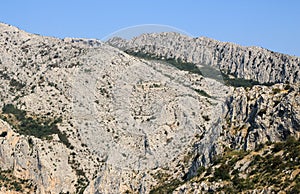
(222, 172)
(278, 147)
(238, 82)
(203, 93)
(38, 127)
(11, 109)
(276, 90)
(16, 84)
(17, 186)
(204, 70)
(185, 66)
(178, 63)
(3, 134)
(167, 187)
(200, 170)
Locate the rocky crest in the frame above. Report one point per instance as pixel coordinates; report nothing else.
(118, 123)
(253, 63)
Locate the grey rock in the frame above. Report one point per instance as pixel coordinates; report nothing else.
(129, 120)
(262, 114)
(126, 118)
(254, 63)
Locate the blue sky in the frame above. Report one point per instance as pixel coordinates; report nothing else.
(270, 24)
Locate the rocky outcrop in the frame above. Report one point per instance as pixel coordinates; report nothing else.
(251, 116)
(270, 112)
(84, 41)
(252, 63)
(262, 114)
(80, 116)
(123, 119)
(33, 159)
(271, 168)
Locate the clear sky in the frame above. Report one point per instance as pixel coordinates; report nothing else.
(272, 24)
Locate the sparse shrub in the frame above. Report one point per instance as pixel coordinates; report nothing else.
(278, 147)
(208, 171)
(276, 90)
(168, 187)
(203, 93)
(11, 109)
(3, 134)
(204, 70)
(200, 170)
(17, 186)
(39, 127)
(16, 84)
(222, 172)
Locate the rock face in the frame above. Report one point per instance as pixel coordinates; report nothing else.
(262, 114)
(33, 159)
(253, 63)
(80, 116)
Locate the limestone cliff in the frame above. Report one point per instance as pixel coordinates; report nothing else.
(81, 116)
(254, 63)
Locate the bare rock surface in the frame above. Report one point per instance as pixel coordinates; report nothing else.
(124, 117)
(81, 116)
(253, 63)
(263, 114)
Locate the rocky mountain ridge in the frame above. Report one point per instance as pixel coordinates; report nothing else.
(80, 116)
(253, 63)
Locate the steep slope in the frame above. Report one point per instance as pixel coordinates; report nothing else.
(35, 86)
(272, 168)
(260, 112)
(273, 108)
(80, 116)
(253, 63)
(110, 122)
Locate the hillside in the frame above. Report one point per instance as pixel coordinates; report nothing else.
(155, 114)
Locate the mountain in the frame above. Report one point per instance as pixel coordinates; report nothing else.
(156, 114)
(253, 63)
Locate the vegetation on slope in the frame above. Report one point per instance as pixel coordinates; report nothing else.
(273, 166)
(35, 126)
(204, 70)
(12, 183)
